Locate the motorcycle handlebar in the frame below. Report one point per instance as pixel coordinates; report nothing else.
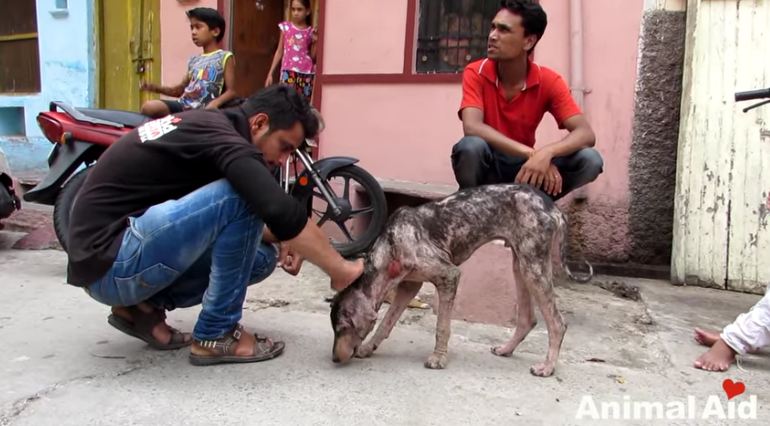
(752, 94)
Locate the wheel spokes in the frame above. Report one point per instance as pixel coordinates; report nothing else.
(346, 189)
(364, 210)
(345, 230)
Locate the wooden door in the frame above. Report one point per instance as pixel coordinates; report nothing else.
(721, 233)
(129, 51)
(255, 36)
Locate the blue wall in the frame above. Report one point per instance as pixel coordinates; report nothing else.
(67, 73)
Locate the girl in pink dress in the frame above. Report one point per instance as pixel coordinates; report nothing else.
(296, 50)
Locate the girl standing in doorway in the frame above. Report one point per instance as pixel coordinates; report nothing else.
(296, 50)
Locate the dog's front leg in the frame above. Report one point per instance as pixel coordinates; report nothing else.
(405, 292)
(446, 286)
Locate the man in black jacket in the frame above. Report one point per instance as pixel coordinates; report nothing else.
(184, 210)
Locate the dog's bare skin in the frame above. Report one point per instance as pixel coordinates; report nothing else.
(429, 242)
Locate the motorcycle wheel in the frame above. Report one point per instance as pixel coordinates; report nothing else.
(366, 210)
(63, 205)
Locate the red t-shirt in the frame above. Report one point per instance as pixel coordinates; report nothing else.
(518, 118)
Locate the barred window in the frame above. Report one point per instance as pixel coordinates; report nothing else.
(452, 33)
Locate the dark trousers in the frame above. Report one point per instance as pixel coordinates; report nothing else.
(475, 163)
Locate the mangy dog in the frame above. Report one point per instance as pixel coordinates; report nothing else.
(429, 242)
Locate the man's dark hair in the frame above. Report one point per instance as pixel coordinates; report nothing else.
(533, 17)
(211, 18)
(284, 106)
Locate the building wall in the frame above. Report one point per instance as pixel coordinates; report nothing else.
(176, 43)
(67, 69)
(652, 166)
(364, 36)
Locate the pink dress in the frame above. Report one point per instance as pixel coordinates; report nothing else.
(296, 48)
(297, 68)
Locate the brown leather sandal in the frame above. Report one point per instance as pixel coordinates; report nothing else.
(141, 327)
(223, 349)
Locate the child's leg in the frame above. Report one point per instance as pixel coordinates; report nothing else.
(302, 83)
(155, 109)
(286, 77)
(307, 86)
(751, 330)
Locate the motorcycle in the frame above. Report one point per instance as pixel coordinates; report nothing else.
(9, 202)
(752, 95)
(344, 199)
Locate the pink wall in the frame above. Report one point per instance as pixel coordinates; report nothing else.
(611, 33)
(397, 131)
(364, 36)
(611, 57)
(406, 131)
(176, 45)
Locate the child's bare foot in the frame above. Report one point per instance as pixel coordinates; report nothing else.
(718, 358)
(709, 337)
(706, 337)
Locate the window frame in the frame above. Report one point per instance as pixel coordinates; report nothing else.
(13, 36)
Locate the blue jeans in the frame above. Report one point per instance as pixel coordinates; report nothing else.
(475, 163)
(203, 248)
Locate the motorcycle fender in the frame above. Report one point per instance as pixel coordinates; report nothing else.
(324, 167)
(64, 160)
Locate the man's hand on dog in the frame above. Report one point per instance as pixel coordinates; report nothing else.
(289, 260)
(539, 172)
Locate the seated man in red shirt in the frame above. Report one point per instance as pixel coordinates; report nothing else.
(504, 99)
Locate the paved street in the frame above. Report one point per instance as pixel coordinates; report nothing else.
(63, 364)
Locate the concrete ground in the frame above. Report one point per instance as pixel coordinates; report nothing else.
(63, 364)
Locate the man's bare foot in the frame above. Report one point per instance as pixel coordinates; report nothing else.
(718, 358)
(351, 270)
(706, 337)
(160, 332)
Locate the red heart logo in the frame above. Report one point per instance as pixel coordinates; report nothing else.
(733, 389)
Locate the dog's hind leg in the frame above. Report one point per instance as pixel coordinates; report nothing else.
(404, 293)
(446, 287)
(539, 276)
(525, 314)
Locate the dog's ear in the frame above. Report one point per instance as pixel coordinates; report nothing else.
(394, 268)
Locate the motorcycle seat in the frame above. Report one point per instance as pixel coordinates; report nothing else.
(126, 118)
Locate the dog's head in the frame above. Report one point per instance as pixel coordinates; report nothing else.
(354, 314)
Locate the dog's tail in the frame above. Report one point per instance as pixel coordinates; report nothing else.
(562, 241)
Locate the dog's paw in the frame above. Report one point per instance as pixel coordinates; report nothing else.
(500, 351)
(543, 369)
(365, 351)
(436, 361)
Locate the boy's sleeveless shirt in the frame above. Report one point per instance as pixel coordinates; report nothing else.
(207, 78)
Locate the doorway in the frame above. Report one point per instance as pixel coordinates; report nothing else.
(129, 51)
(255, 37)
